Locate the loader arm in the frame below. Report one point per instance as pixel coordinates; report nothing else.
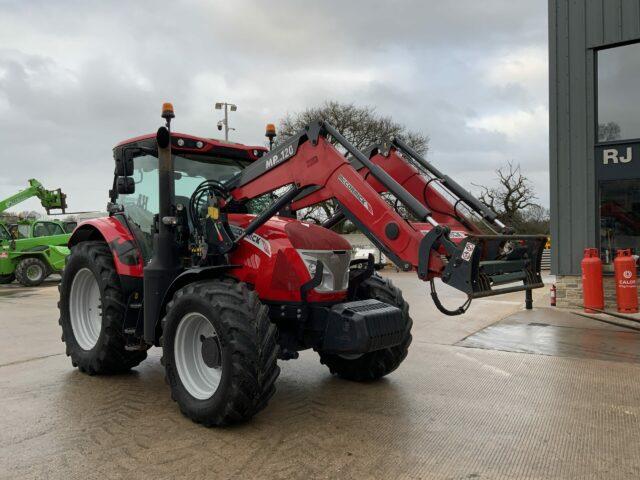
(421, 183)
(421, 187)
(318, 171)
(309, 162)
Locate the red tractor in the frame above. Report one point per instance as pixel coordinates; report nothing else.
(181, 263)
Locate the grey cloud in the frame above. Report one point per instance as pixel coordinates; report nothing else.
(77, 77)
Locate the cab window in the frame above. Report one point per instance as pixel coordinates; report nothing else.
(141, 206)
(23, 231)
(45, 229)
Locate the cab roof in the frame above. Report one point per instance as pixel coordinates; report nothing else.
(184, 143)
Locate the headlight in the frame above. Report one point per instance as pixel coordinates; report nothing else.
(335, 268)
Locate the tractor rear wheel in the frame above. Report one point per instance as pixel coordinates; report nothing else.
(4, 279)
(31, 271)
(219, 351)
(377, 364)
(92, 312)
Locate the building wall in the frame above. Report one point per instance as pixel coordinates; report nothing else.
(576, 29)
(569, 291)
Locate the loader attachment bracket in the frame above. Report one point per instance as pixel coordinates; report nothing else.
(487, 265)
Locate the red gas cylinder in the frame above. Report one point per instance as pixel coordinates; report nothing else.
(592, 290)
(624, 266)
(552, 296)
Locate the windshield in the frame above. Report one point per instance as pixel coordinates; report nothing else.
(191, 171)
(44, 229)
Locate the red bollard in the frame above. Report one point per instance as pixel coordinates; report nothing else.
(592, 290)
(624, 267)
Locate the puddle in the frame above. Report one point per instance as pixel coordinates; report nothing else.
(561, 341)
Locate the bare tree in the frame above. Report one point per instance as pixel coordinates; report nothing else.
(513, 200)
(362, 126)
(513, 194)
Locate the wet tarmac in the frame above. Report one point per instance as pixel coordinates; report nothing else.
(530, 333)
(449, 412)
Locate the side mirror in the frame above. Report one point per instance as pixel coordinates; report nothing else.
(126, 185)
(124, 161)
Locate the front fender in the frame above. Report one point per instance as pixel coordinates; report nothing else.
(188, 276)
(127, 257)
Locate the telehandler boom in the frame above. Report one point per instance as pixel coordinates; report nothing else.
(49, 199)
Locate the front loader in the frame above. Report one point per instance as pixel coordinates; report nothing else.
(503, 259)
(182, 263)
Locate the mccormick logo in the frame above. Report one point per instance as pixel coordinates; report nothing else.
(254, 239)
(356, 193)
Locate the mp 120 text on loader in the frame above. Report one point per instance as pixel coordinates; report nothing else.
(181, 263)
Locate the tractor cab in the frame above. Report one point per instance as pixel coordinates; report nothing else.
(196, 160)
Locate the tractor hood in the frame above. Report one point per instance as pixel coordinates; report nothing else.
(272, 261)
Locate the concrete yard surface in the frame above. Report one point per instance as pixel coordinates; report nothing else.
(462, 406)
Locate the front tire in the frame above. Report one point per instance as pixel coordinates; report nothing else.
(219, 351)
(5, 279)
(373, 365)
(31, 272)
(92, 312)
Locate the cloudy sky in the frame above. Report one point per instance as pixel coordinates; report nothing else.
(76, 77)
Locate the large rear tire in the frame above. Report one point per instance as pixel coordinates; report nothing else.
(373, 365)
(31, 271)
(92, 312)
(219, 351)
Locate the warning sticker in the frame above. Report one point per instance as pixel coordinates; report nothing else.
(467, 253)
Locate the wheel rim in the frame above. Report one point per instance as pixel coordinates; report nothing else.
(85, 309)
(34, 272)
(198, 356)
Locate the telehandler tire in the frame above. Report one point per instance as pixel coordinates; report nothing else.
(92, 312)
(5, 279)
(219, 351)
(31, 272)
(373, 365)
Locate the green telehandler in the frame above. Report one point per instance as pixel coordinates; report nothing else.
(34, 249)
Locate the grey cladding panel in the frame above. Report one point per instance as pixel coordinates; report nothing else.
(576, 27)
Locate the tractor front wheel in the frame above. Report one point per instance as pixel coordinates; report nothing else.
(219, 351)
(376, 364)
(92, 312)
(4, 279)
(31, 272)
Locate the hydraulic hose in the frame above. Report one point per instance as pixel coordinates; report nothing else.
(452, 313)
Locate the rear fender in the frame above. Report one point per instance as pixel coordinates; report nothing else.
(126, 253)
